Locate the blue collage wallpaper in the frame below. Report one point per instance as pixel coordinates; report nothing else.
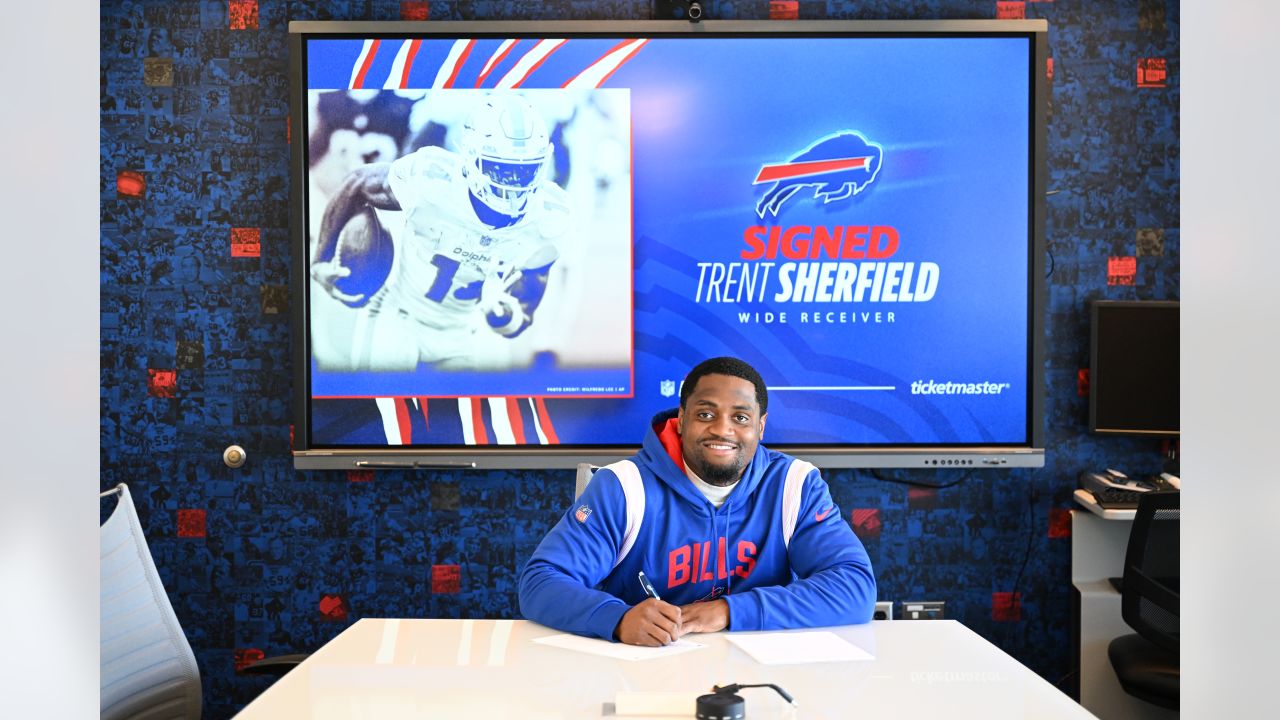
(195, 356)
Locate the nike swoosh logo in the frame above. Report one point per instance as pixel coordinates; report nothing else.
(822, 514)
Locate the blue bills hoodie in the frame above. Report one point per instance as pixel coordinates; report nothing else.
(778, 550)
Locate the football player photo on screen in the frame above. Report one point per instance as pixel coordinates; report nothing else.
(456, 234)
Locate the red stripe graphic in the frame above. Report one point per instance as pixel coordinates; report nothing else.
(605, 57)
(457, 66)
(558, 44)
(787, 171)
(517, 422)
(426, 419)
(494, 62)
(408, 63)
(544, 419)
(364, 67)
(625, 60)
(477, 422)
(402, 420)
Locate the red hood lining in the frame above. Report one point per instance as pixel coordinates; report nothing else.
(669, 436)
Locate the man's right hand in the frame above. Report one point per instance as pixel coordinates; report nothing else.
(329, 273)
(651, 623)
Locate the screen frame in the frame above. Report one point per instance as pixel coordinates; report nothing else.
(1095, 307)
(1030, 454)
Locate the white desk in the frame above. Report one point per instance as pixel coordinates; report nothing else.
(490, 669)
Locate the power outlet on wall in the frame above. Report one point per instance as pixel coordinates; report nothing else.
(924, 610)
(883, 611)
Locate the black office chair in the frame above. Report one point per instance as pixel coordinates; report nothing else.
(1148, 663)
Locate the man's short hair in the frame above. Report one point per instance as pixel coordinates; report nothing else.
(725, 366)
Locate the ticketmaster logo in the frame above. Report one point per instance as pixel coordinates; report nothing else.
(929, 387)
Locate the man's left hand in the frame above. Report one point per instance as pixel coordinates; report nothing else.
(708, 616)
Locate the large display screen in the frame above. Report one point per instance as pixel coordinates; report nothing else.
(514, 240)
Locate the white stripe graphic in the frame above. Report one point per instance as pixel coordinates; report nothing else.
(597, 71)
(792, 493)
(390, 421)
(450, 62)
(468, 430)
(522, 69)
(501, 422)
(537, 424)
(355, 70)
(397, 67)
(488, 66)
(633, 490)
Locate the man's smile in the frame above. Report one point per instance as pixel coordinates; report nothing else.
(720, 446)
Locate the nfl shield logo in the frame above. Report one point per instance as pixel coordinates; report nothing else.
(582, 513)
(667, 388)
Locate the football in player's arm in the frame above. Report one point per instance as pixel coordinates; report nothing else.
(365, 186)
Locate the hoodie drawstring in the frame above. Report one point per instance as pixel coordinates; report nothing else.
(728, 571)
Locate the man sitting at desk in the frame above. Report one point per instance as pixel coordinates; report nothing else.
(730, 534)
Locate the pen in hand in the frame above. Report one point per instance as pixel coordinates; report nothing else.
(650, 623)
(648, 586)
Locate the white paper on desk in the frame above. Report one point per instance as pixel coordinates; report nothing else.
(620, 651)
(791, 648)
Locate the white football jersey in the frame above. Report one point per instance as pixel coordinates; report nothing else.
(448, 252)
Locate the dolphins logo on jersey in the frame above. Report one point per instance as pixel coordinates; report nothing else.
(836, 167)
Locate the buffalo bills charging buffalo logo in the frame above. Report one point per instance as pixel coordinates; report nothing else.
(836, 167)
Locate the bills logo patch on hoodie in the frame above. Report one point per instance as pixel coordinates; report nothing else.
(582, 513)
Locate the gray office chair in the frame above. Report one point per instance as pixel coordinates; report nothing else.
(1148, 664)
(148, 669)
(585, 471)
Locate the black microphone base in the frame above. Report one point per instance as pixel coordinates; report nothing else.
(721, 706)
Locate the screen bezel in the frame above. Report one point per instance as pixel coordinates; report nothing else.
(1028, 454)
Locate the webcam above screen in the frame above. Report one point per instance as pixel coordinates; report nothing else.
(513, 240)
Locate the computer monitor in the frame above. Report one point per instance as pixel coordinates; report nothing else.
(1133, 367)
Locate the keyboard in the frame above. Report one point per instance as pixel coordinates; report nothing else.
(1116, 499)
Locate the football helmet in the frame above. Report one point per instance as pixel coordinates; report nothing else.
(506, 152)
